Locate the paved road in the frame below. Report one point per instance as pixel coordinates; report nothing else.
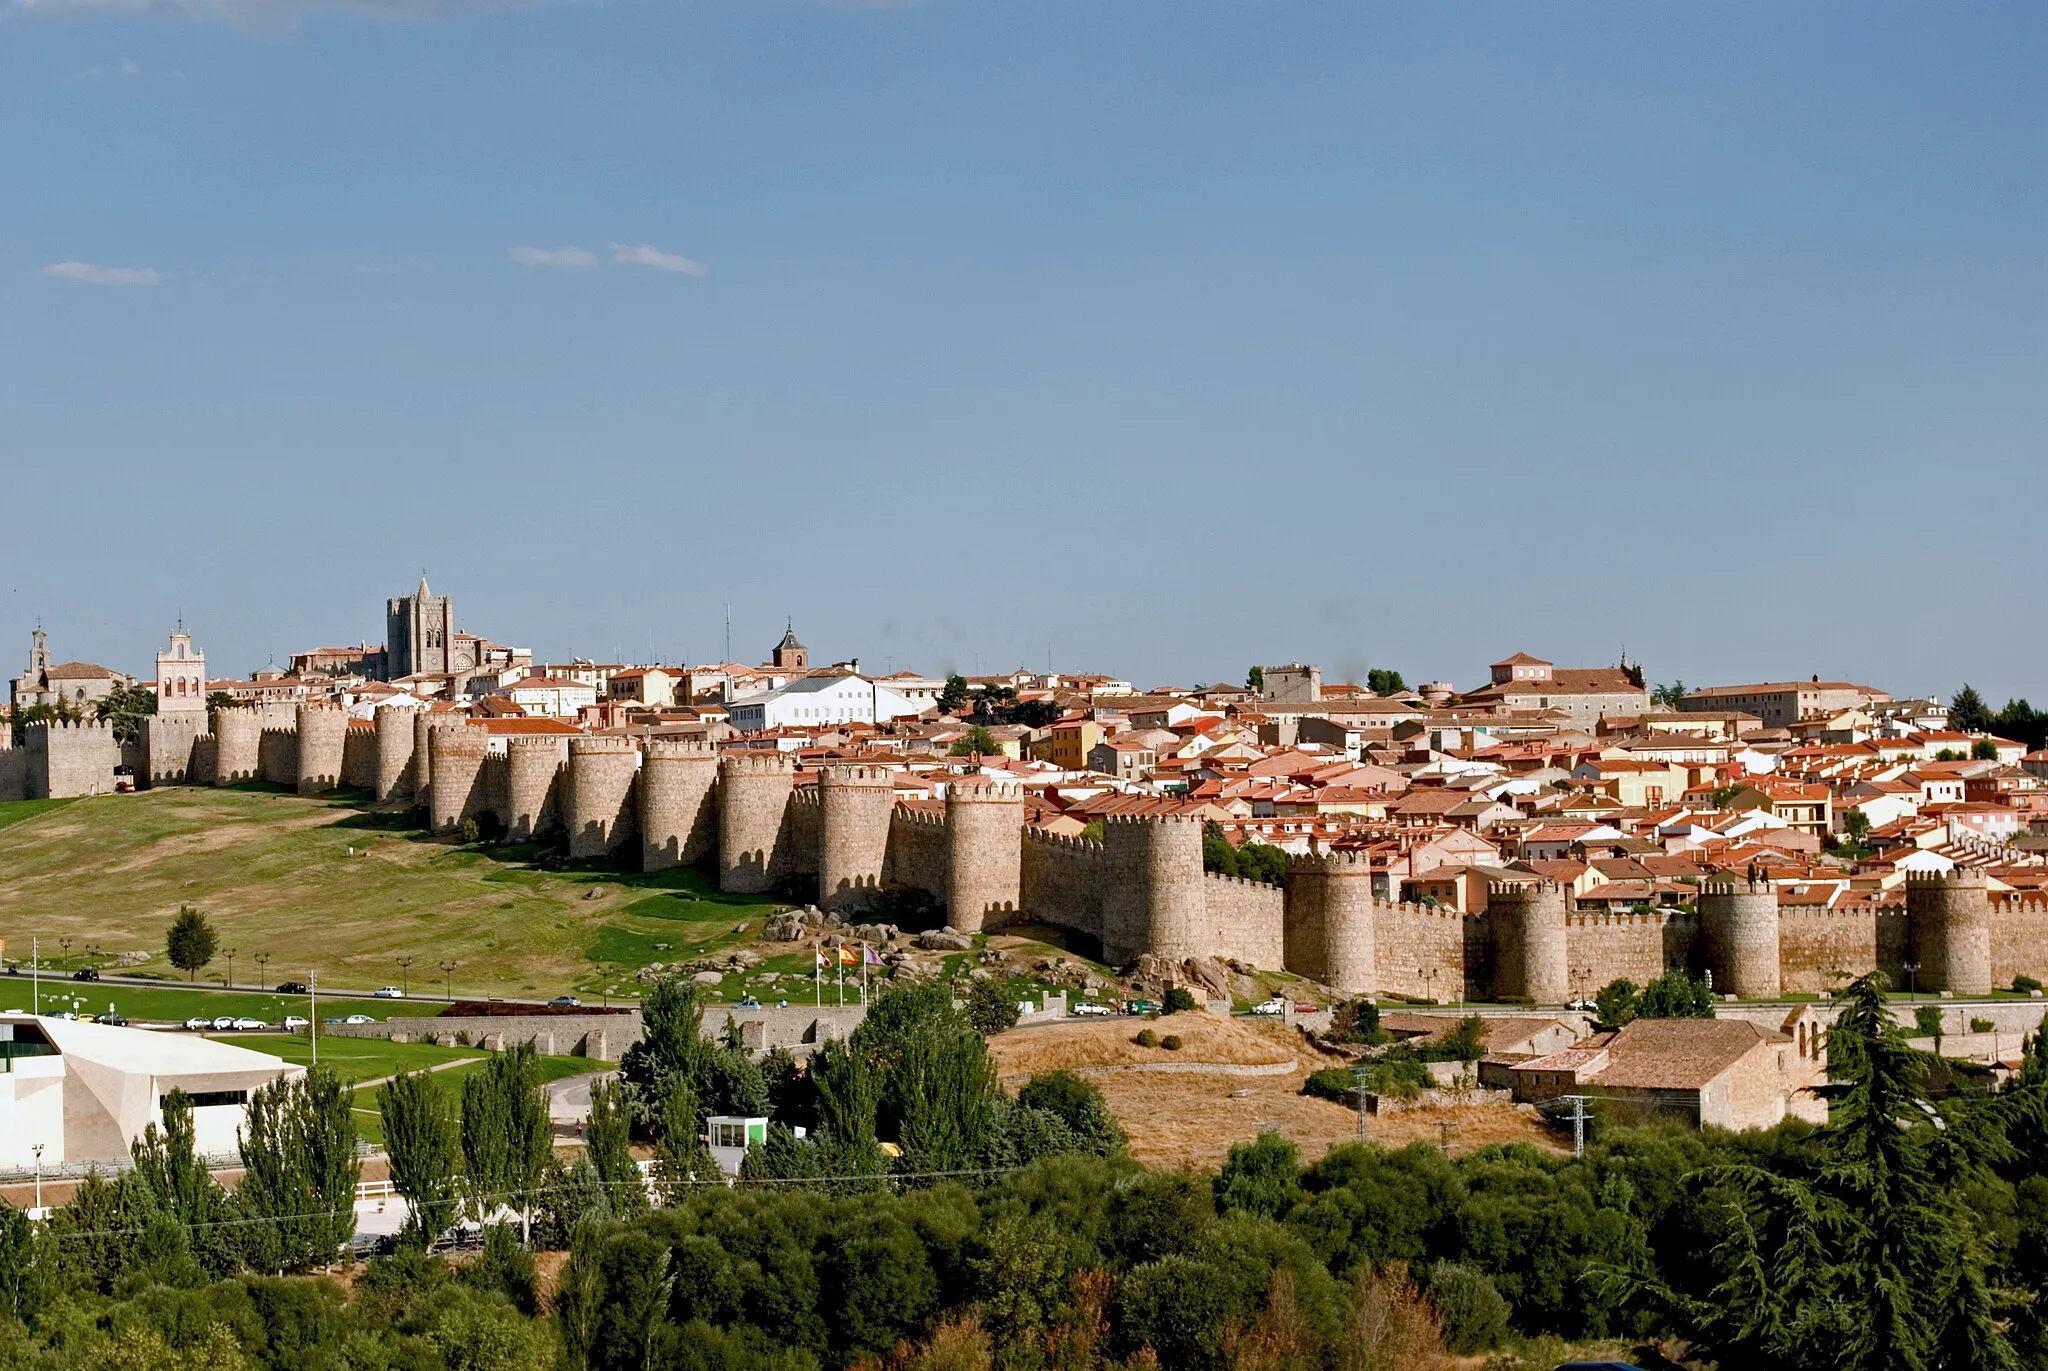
(569, 1099)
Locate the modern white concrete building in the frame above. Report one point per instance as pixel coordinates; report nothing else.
(85, 1090)
(814, 700)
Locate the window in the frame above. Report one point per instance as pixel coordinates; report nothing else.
(729, 1134)
(207, 1099)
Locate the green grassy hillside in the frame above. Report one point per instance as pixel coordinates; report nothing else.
(330, 885)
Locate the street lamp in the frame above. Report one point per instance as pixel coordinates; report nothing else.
(447, 970)
(230, 982)
(262, 965)
(1909, 968)
(405, 973)
(38, 1150)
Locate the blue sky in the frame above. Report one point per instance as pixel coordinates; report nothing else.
(1165, 336)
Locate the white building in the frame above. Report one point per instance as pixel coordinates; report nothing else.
(551, 697)
(84, 1091)
(811, 700)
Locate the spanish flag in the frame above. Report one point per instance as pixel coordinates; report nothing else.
(847, 956)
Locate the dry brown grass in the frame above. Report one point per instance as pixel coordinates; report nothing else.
(1193, 1118)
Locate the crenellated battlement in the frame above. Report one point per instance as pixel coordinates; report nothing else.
(920, 818)
(983, 792)
(1734, 887)
(680, 749)
(1339, 862)
(602, 744)
(1959, 878)
(1046, 838)
(757, 763)
(1516, 890)
(72, 728)
(545, 746)
(1218, 878)
(855, 777)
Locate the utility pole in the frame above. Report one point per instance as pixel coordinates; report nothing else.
(1358, 1073)
(313, 1012)
(1578, 1125)
(35, 976)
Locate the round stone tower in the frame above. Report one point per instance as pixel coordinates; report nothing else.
(1740, 922)
(678, 814)
(984, 855)
(323, 737)
(423, 725)
(854, 803)
(1528, 922)
(600, 809)
(753, 796)
(531, 766)
(1948, 917)
(1155, 901)
(1329, 925)
(458, 763)
(238, 738)
(394, 752)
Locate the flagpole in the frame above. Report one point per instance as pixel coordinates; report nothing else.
(817, 965)
(842, 975)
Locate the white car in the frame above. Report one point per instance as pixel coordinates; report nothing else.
(223, 1023)
(390, 992)
(1583, 1006)
(199, 1025)
(293, 1022)
(1269, 1007)
(247, 1024)
(359, 1018)
(1091, 1010)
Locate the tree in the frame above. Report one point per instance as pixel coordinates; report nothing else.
(125, 707)
(1615, 1003)
(1255, 679)
(1179, 1000)
(1381, 681)
(421, 1138)
(1984, 750)
(299, 1171)
(977, 742)
(1034, 713)
(1261, 1177)
(1868, 1245)
(953, 696)
(1967, 712)
(1856, 827)
(1077, 1102)
(1671, 696)
(1675, 995)
(607, 1147)
(191, 941)
(176, 1185)
(991, 1008)
(506, 1136)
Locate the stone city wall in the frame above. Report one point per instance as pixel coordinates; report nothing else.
(917, 851)
(1244, 919)
(1062, 880)
(605, 1037)
(1601, 947)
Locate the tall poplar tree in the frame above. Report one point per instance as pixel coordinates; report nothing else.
(420, 1136)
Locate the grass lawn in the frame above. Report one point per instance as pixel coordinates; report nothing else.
(176, 1006)
(15, 811)
(327, 884)
(372, 1059)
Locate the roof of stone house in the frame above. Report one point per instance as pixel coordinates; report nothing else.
(1564, 680)
(1679, 1054)
(79, 671)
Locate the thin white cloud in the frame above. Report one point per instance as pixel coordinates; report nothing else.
(571, 258)
(85, 273)
(646, 255)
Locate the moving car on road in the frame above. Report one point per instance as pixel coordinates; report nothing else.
(292, 988)
(390, 992)
(293, 1022)
(249, 1025)
(88, 974)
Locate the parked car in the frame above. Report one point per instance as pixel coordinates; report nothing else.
(359, 1018)
(292, 1022)
(292, 988)
(748, 1002)
(1269, 1007)
(88, 974)
(115, 1020)
(560, 1001)
(199, 1025)
(223, 1023)
(1584, 1006)
(390, 992)
(1089, 1010)
(1141, 1006)
(250, 1024)
(1301, 1008)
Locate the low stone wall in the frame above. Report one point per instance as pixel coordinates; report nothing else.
(605, 1037)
